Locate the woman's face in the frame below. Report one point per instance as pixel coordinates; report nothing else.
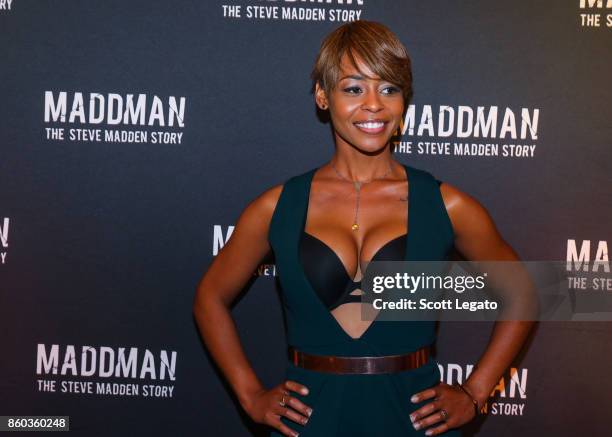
(364, 112)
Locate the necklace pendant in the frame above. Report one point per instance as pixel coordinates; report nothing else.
(355, 227)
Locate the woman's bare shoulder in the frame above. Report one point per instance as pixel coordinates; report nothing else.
(476, 234)
(245, 249)
(462, 208)
(455, 199)
(265, 204)
(258, 212)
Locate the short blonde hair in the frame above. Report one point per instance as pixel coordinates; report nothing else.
(377, 46)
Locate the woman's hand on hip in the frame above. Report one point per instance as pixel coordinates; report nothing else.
(267, 406)
(450, 408)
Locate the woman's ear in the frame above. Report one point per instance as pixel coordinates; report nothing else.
(320, 97)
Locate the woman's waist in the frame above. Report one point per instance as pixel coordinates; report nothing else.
(367, 363)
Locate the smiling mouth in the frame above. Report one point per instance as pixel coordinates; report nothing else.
(371, 127)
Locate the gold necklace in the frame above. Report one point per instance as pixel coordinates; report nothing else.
(357, 184)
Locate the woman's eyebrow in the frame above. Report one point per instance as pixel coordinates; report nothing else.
(358, 77)
(353, 76)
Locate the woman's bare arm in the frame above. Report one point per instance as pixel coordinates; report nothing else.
(225, 278)
(478, 239)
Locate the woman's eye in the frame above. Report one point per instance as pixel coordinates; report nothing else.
(392, 90)
(387, 90)
(351, 89)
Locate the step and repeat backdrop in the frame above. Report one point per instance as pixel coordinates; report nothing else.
(132, 135)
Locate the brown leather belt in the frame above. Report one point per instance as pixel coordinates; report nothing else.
(359, 365)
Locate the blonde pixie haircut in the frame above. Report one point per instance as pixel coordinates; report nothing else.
(375, 44)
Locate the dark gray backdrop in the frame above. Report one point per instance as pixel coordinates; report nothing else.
(104, 242)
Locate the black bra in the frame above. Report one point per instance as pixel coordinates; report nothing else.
(327, 274)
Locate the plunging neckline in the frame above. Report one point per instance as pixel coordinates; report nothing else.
(302, 271)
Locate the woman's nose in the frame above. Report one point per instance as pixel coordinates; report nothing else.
(372, 101)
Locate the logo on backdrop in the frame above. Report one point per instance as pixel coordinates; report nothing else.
(105, 371)
(4, 241)
(5, 5)
(470, 131)
(220, 239)
(131, 118)
(596, 13)
(509, 396)
(589, 263)
(294, 10)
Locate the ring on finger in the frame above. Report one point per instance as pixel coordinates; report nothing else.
(282, 401)
(444, 414)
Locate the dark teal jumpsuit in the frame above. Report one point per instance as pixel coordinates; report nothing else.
(374, 405)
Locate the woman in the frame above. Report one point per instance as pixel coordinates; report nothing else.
(348, 376)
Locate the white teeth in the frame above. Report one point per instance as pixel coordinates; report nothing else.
(371, 125)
